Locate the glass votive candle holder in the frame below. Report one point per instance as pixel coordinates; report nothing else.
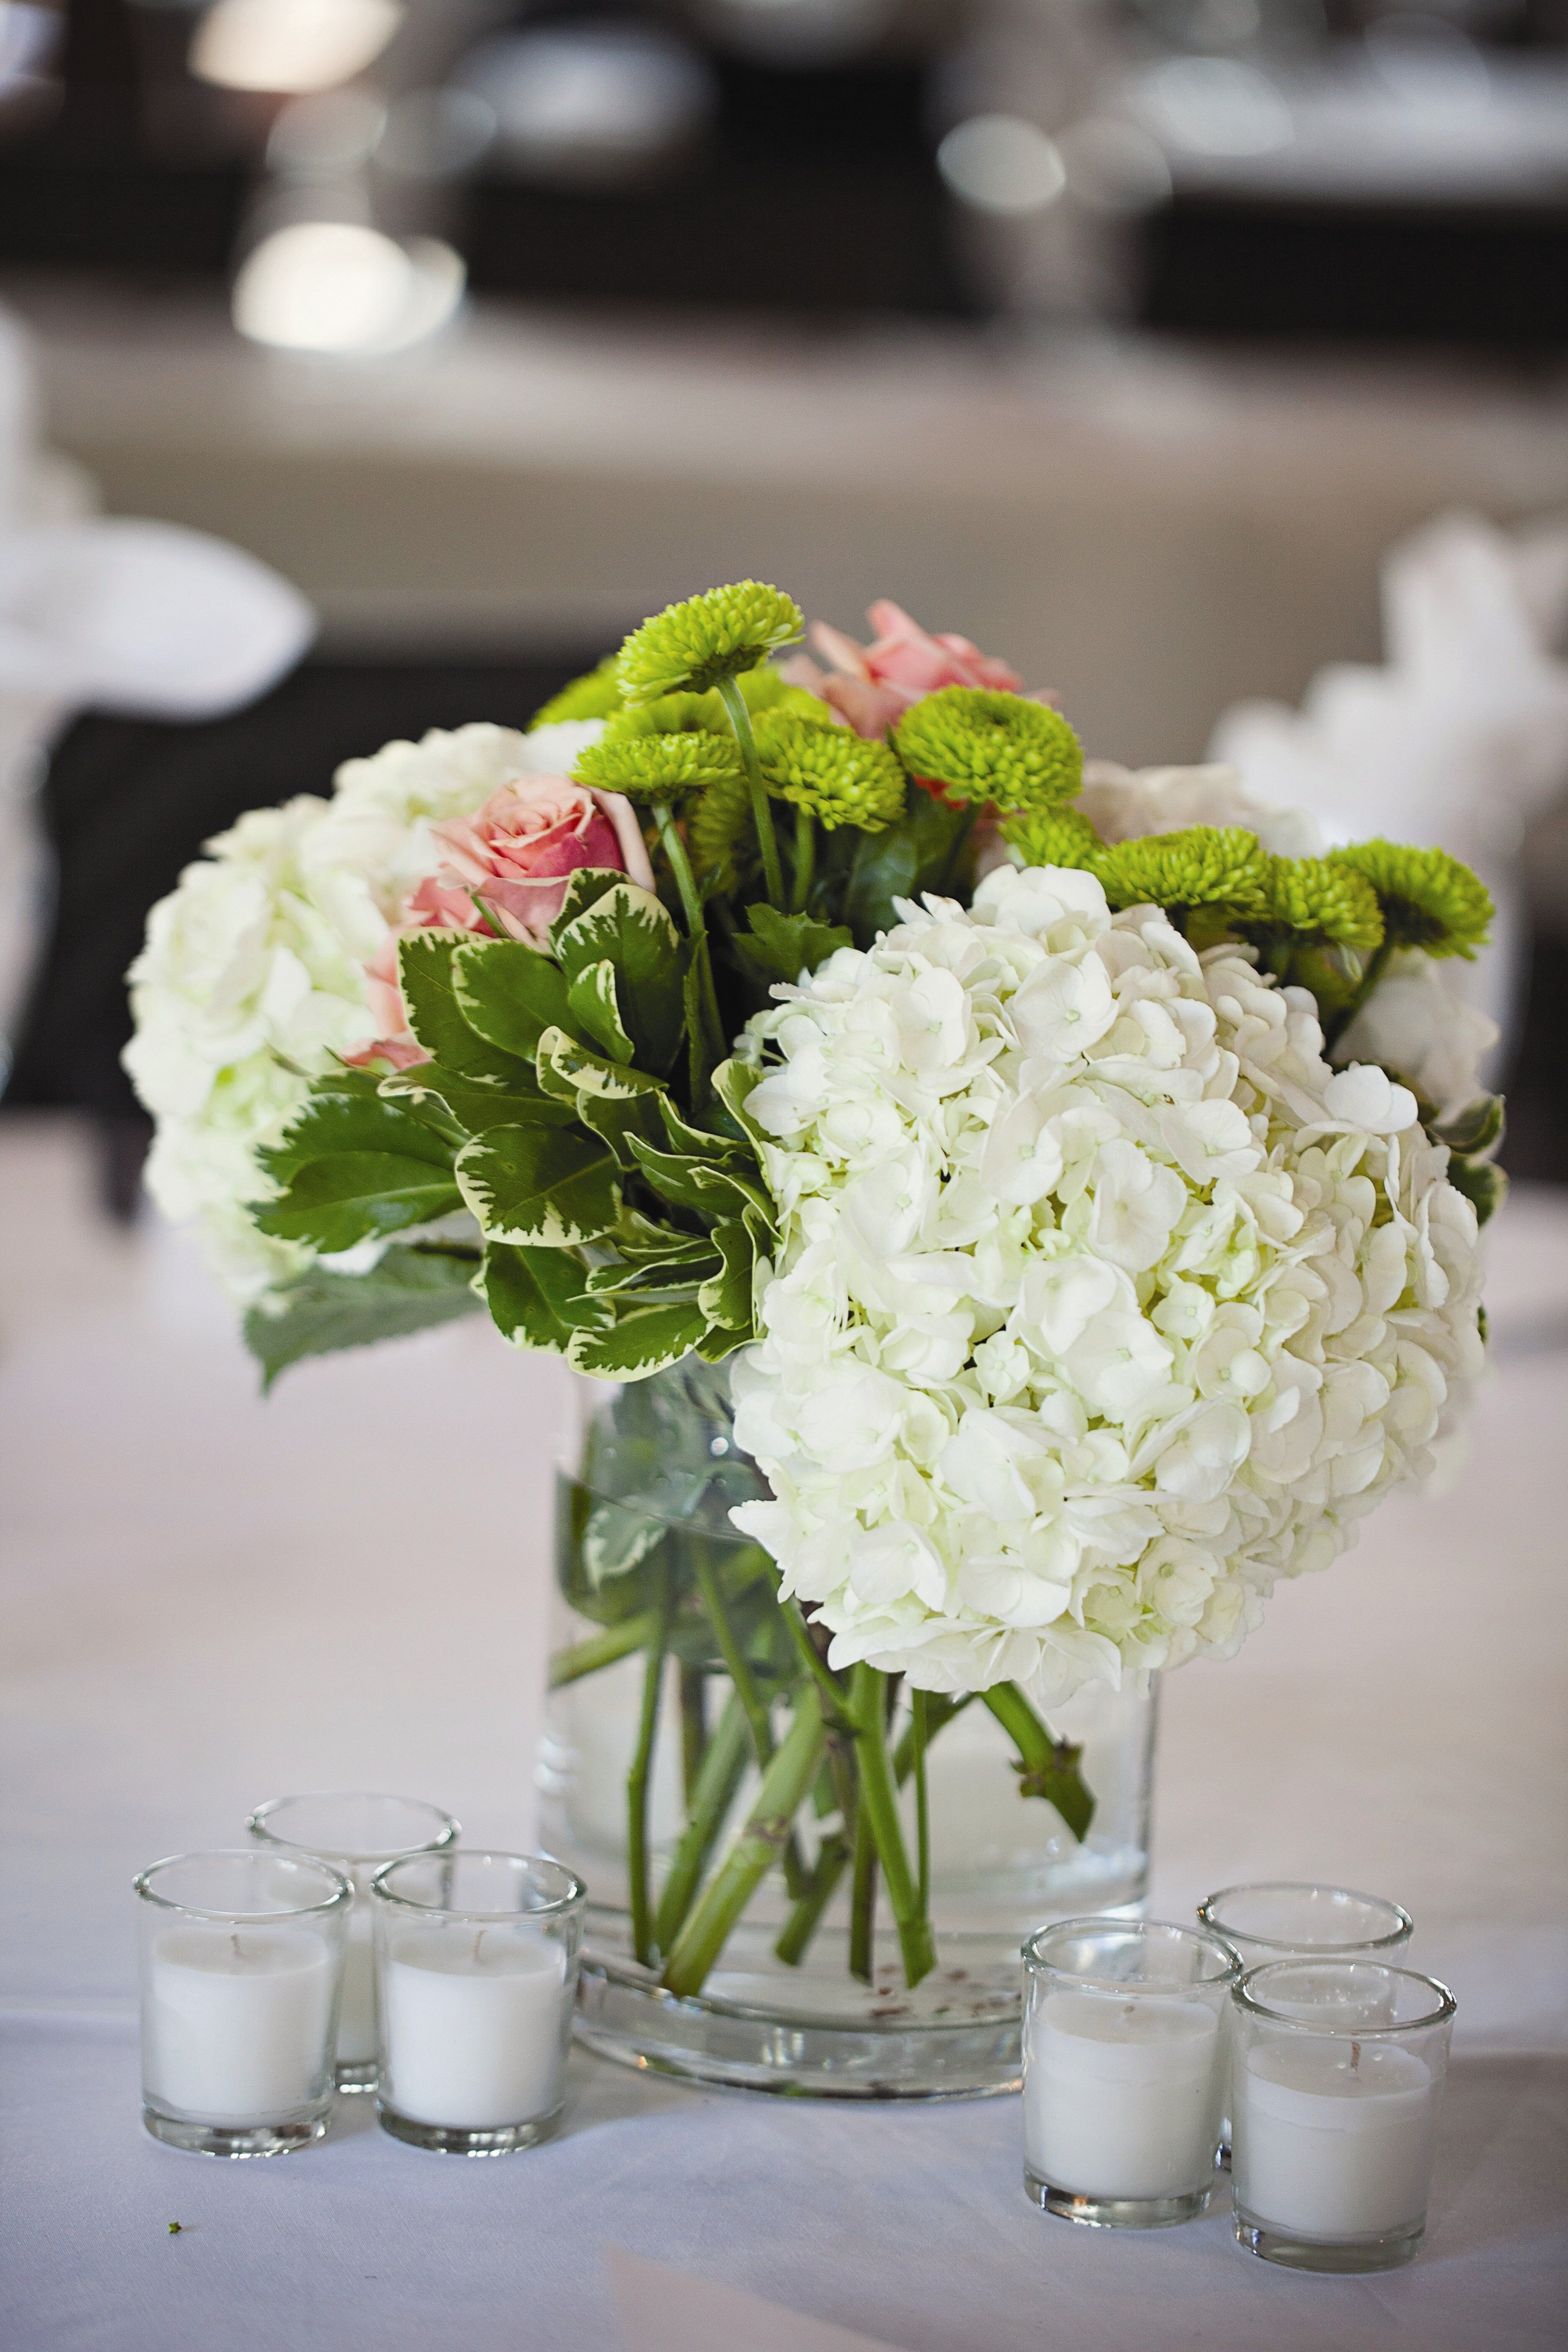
(1337, 2077)
(358, 1835)
(1291, 1919)
(476, 1959)
(241, 1966)
(1123, 2070)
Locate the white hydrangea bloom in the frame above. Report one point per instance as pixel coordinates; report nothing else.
(1100, 1301)
(257, 962)
(1413, 1024)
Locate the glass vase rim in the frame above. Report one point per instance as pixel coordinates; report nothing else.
(1203, 1939)
(1286, 1948)
(258, 1824)
(570, 1897)
(340, 1898)
(1321, 2026)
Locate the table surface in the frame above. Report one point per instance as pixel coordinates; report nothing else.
(210, 1599)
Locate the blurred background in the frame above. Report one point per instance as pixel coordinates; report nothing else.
(1183, 352)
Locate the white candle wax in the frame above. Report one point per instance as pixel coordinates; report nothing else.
(1122, 2098)
(1333, 2139)
(235, 2021)
(356, 2018)
(474, 2028)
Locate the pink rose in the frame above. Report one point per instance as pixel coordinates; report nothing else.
(516, 854)
(873, 685)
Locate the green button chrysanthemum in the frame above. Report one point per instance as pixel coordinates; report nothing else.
(1052, 837)
(1204, 865)
(594, 695)
(658, 767)
(1002, 748)
(1429, 900)
(1324, 901)
(691, 646)
(832, 772)
(719, 826)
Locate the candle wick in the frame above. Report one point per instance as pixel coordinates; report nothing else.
(1355, 2056)
(478, 1939)
(234, 1939)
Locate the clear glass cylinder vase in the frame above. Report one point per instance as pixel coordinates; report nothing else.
(648, 1474)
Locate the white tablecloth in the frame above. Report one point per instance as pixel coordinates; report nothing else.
(210, 1599)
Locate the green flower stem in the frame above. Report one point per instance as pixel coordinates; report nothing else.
(832, 1860)
(679, 866)
(1048, 1768)
(724, 1767)
(741, 720)
(637, 1779)
(693, 1727)
(863, 1901)
(697, 928)
(601, 1649)
(1337, 1023)
(922, 1806)
(879, 1810)
(834, 1704)
(804, 858)
(739, 1673)
(786, 1785)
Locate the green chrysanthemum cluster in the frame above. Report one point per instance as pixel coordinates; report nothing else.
(718, 824)
(1322, 901)
(1203, 866)
(1002, 748)
(834, 774)
(1429, 900)
(594, 695)
(1052, 837)
(658, 767)
(691, 646)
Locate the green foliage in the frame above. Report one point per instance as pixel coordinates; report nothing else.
(1052, 837)
(594, 695)
(553, 1188)
(1204, 865)
(351, 1167)
(1429, 899)
(781, 947)
(536, 1297)
(690, 646)
(506, 995)
(930, 849)
(981, 746)
(410, 1289)
(721, 829)
(829, 770)
(629, 927)
(429, 967)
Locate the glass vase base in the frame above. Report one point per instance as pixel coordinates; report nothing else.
(793, 2045)
(234, 2140)
(450, 2139)
(1344, 2255)
(1116, 2213)
(356, 2077)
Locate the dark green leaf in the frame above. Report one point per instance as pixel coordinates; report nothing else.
(353, 1166)
(550, 1187)
(732, 1083)
(510, 994)
(781, 947)
(699, 1184)
(726, 1298)
(613, 1100)
(472, 1107)
(586, 888)
(409, 1290)
(1476, 1129)
(695, 1142)
(1482, 1184)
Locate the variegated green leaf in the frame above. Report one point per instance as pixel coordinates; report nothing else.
(726, 1298)
(510, 994)
(592, 999)
(733, 1082)
(549, 1187)
(699, 1184)
(629, 930)
(472, 1107)
(586, 886)
(426, 969)
(353, 1167)
(639, 1344)
(535, 1296)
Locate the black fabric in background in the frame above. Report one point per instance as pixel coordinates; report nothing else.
(129, 803)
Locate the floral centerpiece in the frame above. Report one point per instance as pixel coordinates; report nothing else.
(1068, 1182)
